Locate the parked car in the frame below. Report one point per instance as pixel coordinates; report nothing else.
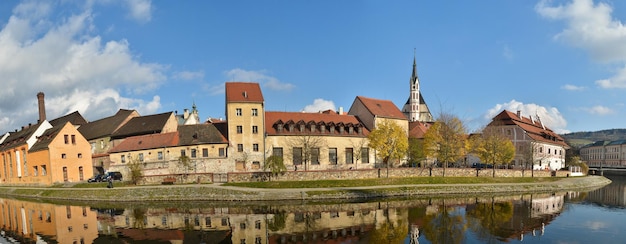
(114, 175)
(96, 178)
(482, 166)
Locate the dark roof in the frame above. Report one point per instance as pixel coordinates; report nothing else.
(381, 108)
(74, 118)
(106, 126)
(46, 138)
(243, 92)
(274, 118)
(142, 125)
(534, 128)
(150, 141)
(19, 137)
(199, 134)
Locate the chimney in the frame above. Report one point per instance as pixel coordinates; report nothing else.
(519, 114)
(340, 110)
(42, 107)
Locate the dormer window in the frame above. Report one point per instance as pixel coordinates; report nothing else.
(350, 130)
(341, 129)
(322, 128)
(302, 128)
(332, 129)
(291, 128)
(360, 129)
(279, 127)
(312, 127)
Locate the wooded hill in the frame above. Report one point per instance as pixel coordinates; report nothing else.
(579, 139)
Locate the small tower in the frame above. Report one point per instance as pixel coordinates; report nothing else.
(415, 108)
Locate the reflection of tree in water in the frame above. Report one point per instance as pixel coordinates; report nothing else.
(139, 216)
(488, 219)
(446, 226)
(278, 222)
(390, 231)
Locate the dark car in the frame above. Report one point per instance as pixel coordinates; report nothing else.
(482, 166)
(97, 178)
(114, 175)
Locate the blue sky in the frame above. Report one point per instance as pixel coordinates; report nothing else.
(563, 60)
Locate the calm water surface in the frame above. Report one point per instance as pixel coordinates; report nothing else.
(560, 217)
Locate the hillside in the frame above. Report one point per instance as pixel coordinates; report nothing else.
(578, 139)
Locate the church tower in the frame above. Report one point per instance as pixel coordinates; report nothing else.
(415, 108)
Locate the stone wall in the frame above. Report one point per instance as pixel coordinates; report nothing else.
(392, 172)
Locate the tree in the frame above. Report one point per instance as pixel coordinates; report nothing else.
(416, 151)
(135, 171)
(389, 140)
(445, 140)
(358, 146)
(275, 165)
(493, 147)
(309, 146)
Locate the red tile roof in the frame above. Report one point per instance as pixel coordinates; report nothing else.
(273, 118)
(150, 141)
(243, 92)
(381, 108)
(534, 128)
(418, 129)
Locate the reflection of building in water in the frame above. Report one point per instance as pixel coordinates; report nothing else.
(39, 221)
(547, 205)
(613, 195)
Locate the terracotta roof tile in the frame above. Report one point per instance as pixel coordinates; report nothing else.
(144, 142)
(273, 118)
(418, 129)
(243, 92)
(534, 128)
(381, 108)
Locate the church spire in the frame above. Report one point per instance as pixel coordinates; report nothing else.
(414, 75)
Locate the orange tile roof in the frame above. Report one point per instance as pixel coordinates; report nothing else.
(534, 128)
(381, 108)
(418, 129)
(272, 118)
(150, 141)
(243, 92)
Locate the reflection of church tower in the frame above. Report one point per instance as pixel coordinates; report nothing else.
(415, 108)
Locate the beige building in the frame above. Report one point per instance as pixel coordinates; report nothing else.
(611, 154)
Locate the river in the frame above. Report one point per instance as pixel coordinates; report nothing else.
(560, 217)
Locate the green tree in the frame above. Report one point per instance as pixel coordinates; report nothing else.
(446, 226)
(493, 147)
(389, 140)
(136, 172)
(416, 151)
(445, 140)
(575, 161)
(275, 165)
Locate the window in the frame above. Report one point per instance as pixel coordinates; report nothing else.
(196, 220)
(164, 220)
(80, 155)
(238, 111)
(239, 129)
(365, 155)
(183, 153)
(224, 221)
(140, 157)
(258, 240)
(101, 144)
(63, 155)
(255, 147)
(255, 129)
(64, 173)
(73, 139)
(332, 155)
(297, 156)
(222, 152)
(35, 170)
(255, 112)
(43, 170)
(66, 138)
(160, 155)
(193, 153)
(315, 155)
(349, 156)
(242, 226)
(277, 151)
(239, 147)
(123, 159)
(80, 172)
(205, 152)
(257, 224)
(207, 221)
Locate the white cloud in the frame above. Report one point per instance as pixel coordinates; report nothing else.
(319, 104)
(593, 28)
(189, 75)
(56, 53)
(141, 10)
(550, 116)
(599, 110)
(573, 87)
(260, 77)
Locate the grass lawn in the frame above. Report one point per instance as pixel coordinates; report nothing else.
(391, 181)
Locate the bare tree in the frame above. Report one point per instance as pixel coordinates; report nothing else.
(308, 146)
(358, 146)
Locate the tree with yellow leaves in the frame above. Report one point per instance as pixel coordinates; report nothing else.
(493, 147)
(389, 140)
(445, 140)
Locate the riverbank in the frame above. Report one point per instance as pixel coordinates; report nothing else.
(217, 192)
